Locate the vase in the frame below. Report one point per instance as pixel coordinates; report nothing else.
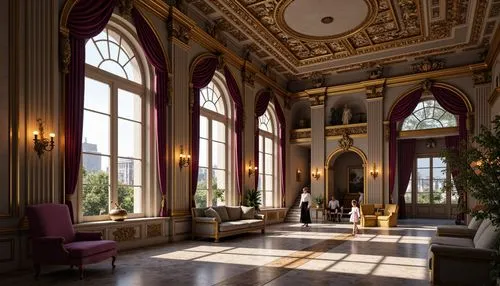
(117, 214)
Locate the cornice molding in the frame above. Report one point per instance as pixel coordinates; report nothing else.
(161, 10)
(362, 86)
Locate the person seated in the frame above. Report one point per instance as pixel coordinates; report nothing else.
(333, 208)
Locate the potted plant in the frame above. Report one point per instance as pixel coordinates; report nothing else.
(253, 199)
(319, 201)
(476, 171)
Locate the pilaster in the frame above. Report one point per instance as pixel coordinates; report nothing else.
(249, 121)
(375, 112)
(318, 145)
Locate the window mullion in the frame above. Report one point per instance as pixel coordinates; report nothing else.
(431, 181)
(114, 145)
(209, 169)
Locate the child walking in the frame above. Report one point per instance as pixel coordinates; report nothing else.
(354, 216)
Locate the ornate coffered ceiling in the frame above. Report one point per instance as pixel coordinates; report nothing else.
(299, 37)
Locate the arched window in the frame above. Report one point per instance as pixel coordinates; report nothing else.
(114, 135)
(267, 169)
(427, 115)
(213, 179)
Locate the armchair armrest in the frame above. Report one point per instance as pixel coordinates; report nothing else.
(49, 249)
(462, 252)
(205, 219)
(88, 236)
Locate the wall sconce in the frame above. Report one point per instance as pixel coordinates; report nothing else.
(316, 174)
(42, 144)
(374, 171)
(184, 160)
(251, 168)
(297, 175)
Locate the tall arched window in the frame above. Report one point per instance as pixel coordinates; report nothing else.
(267, 169)
(114, 135)
(427, 115)
(213, 179)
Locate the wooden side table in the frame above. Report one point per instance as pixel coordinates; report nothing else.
(322, 210)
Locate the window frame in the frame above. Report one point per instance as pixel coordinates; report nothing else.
(115, 83)
(423, 108)
(414, 182)
(274, 137)
(226, 120)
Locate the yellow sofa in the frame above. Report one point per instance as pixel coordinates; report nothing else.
(368, 216)
(390, 216)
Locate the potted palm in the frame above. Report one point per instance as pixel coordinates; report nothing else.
(319, 201)
(253, 199)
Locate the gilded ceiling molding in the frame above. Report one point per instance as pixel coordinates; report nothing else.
(427, 65)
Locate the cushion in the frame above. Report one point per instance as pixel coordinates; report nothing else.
(484, 225)
(199, 212)
(368, 209)
(240, 224)
(475, 223)
(488, 238)
(50, 220)
(247, 212)
(234, 213)
(383, 217)
(222, 212)
(210, 212)
(452, 241)
(88, 248)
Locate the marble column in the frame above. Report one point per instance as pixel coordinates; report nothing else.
(249, 131)
(318, 145)
(375, 101)
(180, 121)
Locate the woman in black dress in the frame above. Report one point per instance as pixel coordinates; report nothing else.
(305, 204)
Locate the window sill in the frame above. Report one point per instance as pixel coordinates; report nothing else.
(125, 222)
(271, 209)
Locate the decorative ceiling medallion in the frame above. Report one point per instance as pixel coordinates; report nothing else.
(306, 19)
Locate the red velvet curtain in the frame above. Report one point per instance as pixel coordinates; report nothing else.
(454, 104)
(234, 91)
(453, 144)
(86, 20)
(202, 75)
(282, 135)
(402, 110)
(406, 157)
(260, 108)
(154, 53)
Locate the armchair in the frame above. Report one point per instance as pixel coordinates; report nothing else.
(55, 241)
(368, 216)
(390, 217)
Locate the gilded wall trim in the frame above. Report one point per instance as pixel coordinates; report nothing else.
(124, 233)
(153, 230)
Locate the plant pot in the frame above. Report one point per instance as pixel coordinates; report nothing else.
(118, 214)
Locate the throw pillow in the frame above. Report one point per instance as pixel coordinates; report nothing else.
(210, 212)
(222, 213)
(247, 212)
(475, 223)
(234, 213)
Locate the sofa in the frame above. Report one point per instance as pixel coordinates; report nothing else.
(390, 216)
(459, 230)
(464, 260)
(222, 221)
(368, 216)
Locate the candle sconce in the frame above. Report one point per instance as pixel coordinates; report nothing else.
(41, 143)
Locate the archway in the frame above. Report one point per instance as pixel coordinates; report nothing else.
(346, 176)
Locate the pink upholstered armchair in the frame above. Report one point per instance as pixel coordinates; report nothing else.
(56, 242)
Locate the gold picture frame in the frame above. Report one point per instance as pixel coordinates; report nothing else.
(355, 179)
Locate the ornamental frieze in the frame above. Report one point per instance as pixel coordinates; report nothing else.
(300, 134)
(352, 129)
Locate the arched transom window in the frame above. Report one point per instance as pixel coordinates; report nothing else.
(427, 115)
(213, 179)
(113, 147)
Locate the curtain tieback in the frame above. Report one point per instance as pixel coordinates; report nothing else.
(163, 199)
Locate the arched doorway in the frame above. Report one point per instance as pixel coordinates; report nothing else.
(346, 176)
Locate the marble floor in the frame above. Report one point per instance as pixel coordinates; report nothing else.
(323, 254)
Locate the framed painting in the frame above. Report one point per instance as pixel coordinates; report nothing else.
(355, 179)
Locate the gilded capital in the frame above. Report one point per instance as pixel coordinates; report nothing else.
(248, 76)
(376, 91)
(178, 31)
(317, 99)
(481, 77)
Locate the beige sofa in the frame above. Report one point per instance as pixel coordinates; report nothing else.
(230, 221)
(460, 230)
(464, 260)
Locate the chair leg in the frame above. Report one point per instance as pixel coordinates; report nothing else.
(36, 266)
(81, 271)
(113, 262)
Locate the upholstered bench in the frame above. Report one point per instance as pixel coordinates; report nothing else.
(222, 221)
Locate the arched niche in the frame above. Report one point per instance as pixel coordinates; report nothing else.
(338, 165)
(355, 102)
(301, 114)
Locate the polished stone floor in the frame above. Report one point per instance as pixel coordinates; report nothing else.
(323, 254)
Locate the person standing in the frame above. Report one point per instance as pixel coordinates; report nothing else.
(305, 204)
(354, 217)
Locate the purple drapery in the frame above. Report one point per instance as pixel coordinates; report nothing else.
(260, 108)
(406, 157)
(454, 104)
(234, 91)
(202, 75)
(402, 110)
(282, 121)
(86, 20)
(453, 144)
(154, 52)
